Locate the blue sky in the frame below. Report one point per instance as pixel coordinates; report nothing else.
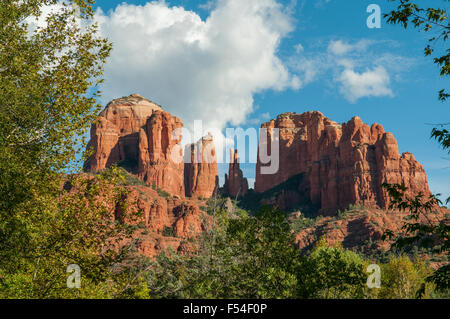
(319, 55)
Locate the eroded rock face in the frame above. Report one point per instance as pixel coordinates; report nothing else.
(168, 222)
(235, 183)
(360, 228)
(160, 221)
(115, 137)
(200, 168)
(342, 164)
(160, 159)
(137, 134)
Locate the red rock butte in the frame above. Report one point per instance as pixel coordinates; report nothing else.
(236, 184)
(140, 136)
(341, 164)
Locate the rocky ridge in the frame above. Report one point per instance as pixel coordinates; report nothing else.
(322, 163)
(342, 164)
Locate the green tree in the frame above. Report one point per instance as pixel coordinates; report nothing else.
(401, 279)
(81, 227)
(246, 257)
(259, 254)
(48, 89)
(422, 228)
(331, 272)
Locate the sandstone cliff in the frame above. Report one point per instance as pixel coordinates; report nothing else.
(169, 222)
(235, 183)
(339, 164)
(115, 135)
(138, 135)
(164, 221)
(160, 158)
(200, 168)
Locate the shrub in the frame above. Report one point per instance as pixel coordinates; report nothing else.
(163, 193)
(300, 223)
(401, 279)
(331, 272)
(168, 232)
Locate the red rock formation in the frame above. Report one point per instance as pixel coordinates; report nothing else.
(115, 136)
(359, 228)
(138, 135)
(235, 183)
(168, 222)
(160, 161)
(162, 221)
(200, 168)
(341, 164)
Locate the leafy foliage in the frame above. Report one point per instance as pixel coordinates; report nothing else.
(427, 20)
(332, 272)
(78, 228)
(425, 234)
(163, 193)
(168, 232)
(249, 257)
(402, 279)
(48, 81)
(419, 228)
(443, 138)
(254, 257)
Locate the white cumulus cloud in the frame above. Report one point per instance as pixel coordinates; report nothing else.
(340, 47)
(374, 82)
(197, 69)
(359, 69)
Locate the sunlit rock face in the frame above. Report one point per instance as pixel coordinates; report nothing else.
(341, 164)
(139, 135)
(200, 168)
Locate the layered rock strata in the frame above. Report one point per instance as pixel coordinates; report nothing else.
(341, 164)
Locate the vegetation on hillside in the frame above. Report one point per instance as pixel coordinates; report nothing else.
(50, 219)
(254, 257)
